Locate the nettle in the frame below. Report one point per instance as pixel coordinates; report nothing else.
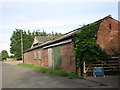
(86, 48)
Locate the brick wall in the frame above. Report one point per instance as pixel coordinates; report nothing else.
(108, 36)
(29, 58)
(68, 60)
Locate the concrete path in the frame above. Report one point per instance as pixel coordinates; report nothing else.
(110, 81)
(14, 76)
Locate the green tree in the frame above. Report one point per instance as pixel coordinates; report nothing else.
(0, 56)
(27, 40)
(4, 54)
(16, 43)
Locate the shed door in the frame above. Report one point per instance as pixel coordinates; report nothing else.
(50, 57)
(57, 57)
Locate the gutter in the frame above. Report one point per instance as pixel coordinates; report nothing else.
(60, 43)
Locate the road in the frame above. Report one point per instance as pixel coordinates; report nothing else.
(14, 76)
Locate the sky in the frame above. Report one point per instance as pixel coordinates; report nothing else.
(58, 16)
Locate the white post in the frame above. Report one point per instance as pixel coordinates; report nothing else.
(84, 68)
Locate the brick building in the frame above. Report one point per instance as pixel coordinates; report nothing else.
(57, 52)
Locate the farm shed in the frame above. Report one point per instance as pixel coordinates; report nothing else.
(57, 52)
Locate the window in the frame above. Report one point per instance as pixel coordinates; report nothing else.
(110, 26)
(35, 56)
(40, 55)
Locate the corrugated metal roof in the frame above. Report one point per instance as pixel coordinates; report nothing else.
(42, 39)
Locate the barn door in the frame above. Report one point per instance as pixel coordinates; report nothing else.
(50, 57)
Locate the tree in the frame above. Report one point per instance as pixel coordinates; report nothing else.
(4, 54)
(16, 44)
(27, 40)
(0, 56)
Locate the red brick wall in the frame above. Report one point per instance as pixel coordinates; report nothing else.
(108, 38)
(29, 58)
(68, 60)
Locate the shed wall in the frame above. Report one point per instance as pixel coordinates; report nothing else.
(109, 35)
(62, 57)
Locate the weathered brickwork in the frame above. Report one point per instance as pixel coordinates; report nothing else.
(68, 60)
(108, 36)
(29, 58)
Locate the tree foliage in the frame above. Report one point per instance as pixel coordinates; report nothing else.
(27, 37)
(86, 48)
(4, 54)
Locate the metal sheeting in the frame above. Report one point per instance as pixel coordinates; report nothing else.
(56, 44)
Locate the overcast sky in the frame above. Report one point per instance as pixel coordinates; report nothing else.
(58, 16)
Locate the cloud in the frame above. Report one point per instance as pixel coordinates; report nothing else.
(59, 0)
(40, 24)
(4, 7)
(5, 42)
(22, 19)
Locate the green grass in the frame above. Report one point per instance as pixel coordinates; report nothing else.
(52, 71)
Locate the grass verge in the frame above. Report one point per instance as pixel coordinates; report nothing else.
(52, 71)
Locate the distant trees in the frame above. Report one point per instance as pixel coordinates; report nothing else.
(4, 55)
(28, 38)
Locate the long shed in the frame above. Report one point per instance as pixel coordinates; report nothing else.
(57, 52)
